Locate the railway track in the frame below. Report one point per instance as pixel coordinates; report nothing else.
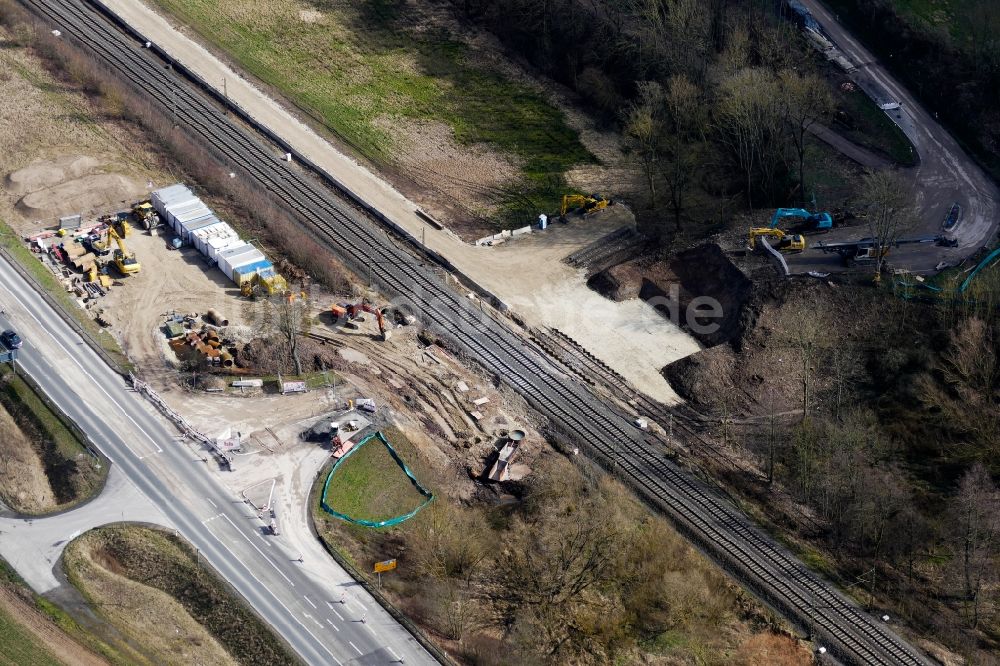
(708, 519)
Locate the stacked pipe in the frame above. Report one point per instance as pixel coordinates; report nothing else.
(208, 344)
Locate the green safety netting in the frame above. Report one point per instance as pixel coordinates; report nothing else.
(399, 461)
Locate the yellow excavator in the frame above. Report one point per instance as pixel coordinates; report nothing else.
(583, 204)
(786, 242)
(125, 261)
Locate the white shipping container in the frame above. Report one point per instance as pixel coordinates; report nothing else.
(170, 208)
(176, 213)
(163, 197)
(199, 237)
(240, 258)
(219, 244)
(202, 222)
(191, 216)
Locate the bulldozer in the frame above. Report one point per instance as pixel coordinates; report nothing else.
(144, 214)
(583, 205)
(786, 242)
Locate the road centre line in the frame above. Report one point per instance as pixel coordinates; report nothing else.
(274, 596)
(268, 559)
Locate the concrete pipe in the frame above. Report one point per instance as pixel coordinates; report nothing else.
(227, 359)
(214, 317)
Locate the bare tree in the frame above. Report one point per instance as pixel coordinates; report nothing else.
(887, 197)
(976, 520)
(644, 130)
(292, 318)
(749, 120)
(806, 101)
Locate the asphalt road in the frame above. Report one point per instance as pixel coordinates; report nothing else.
(324, 615)
(946, 173)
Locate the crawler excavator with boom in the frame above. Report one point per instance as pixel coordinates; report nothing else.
(786, 242)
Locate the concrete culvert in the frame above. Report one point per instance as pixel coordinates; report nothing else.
(215, 318)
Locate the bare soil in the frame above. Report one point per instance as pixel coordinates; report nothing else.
(24, 486)
(57, 159)
(64, 648)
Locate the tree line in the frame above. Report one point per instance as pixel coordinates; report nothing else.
(715, 98)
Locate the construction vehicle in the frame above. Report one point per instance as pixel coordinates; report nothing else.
(124, 260)
(264, 284)
(786, 242)
(822, 221)
(582, 205)
(866, 249)
(353, 312)
(144, 213)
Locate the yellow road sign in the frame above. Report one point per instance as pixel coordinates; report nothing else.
(387, 565)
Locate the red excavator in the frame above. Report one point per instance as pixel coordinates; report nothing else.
(365, 306)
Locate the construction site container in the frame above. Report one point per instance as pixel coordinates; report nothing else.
(162, 198)
(172, 208)
(246, 272)
(177, 217)
(189, 228)
(200, 236)
(243, 260)
(219, 244)
(241, 256)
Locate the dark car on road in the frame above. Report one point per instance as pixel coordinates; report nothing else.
(11, 340)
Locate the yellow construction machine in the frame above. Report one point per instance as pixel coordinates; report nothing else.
(145, 215)
(786, 242)
(125, 261)
(583, 204)
(264, 284)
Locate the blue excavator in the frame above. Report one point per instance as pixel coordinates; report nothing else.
(811, 222)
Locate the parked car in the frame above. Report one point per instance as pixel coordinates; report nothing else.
(11, 340)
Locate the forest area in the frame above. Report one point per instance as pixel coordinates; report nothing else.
(715, 99)
(889, 462)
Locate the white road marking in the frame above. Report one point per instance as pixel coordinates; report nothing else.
(261, 552)
(211, 502)
(339, 616)
(330, 622)
(98, 384)
(210, 519)
(355, 647)
(308, 601)
(318, 624)
(274, 596)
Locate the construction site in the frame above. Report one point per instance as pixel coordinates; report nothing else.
(595, 432)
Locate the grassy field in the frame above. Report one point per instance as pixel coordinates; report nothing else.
(370, 485)
(72, 472)
(19, 647)
(359, 67)
(873, 129)
(188, 616)
(33, 630)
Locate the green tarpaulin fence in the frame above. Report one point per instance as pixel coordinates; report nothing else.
(389, 522)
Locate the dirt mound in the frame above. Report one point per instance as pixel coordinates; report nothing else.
(81, 195)
(24, 486)
(702, 276)
(45, 174)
